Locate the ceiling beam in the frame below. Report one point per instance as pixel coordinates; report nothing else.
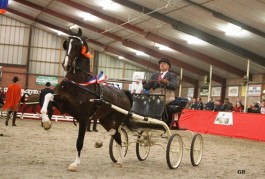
(173, 61)
(149, 51)
(228, 19)
(107, 48)
(155, 38)
(136, 60)
(101, 15)
(202, 57)
(180, 26)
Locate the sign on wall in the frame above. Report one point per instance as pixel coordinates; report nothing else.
(216, 91)
(42, 80)
(253, 90)
(190, 92)
(233, 90)
(204, 91)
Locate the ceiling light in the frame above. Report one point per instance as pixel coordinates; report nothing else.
(163, 47)
(88, 17)
(106, 4)
(194, 40)
(59, 32)
(234, 30)
(121, 57)
(139, 53)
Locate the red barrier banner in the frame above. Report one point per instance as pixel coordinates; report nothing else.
(244, 125)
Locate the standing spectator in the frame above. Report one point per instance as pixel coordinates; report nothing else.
(210, 105)
(2, 96)
(262, 107)
(227, 106)
(94, 126)
(43, 92)
(137, 87)
(199, 104)
(12, 101)
(238, 107)
(194, 104)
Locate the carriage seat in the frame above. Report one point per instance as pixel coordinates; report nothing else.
(148, 105)
(177, 105)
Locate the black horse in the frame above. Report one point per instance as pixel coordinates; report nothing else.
(32, 102)
(81, 98)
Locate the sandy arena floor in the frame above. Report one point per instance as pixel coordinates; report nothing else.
(29, 152)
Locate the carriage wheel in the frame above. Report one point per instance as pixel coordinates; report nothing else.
(114, 146)
(174, 151)
(196, 150)
(143, 146)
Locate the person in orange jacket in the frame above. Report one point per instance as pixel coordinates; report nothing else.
(12, 101)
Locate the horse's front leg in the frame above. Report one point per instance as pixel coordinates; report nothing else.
(45, 119)
(79, 145)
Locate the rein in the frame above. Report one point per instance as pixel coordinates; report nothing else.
(85, 71)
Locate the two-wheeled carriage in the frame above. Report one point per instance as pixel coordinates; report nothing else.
(155, 120)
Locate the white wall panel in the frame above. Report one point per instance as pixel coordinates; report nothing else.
(12, 35)
(115, 68)
(20, 36)
(5, 55)
(47, 51)
(13, 38)
(1, 52)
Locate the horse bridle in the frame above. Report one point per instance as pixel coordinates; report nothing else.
(73, 64)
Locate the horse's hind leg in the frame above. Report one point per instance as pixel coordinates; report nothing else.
(79, 145)
(24, 110)
(117, 138)
(99, 142)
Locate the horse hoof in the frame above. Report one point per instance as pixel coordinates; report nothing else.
(98, 144)
(118, 164)
(47, 125)
(72, 169)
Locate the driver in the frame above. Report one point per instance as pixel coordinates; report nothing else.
(163, 82)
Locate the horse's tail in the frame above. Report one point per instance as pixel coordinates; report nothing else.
(129, 123)
(129, 95)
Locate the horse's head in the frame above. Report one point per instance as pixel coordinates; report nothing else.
(73, 47)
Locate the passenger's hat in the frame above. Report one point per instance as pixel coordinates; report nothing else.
(15, 79)
(165, 60)
(227, 99)
(48, 84)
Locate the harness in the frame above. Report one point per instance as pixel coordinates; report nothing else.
(98, 93)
